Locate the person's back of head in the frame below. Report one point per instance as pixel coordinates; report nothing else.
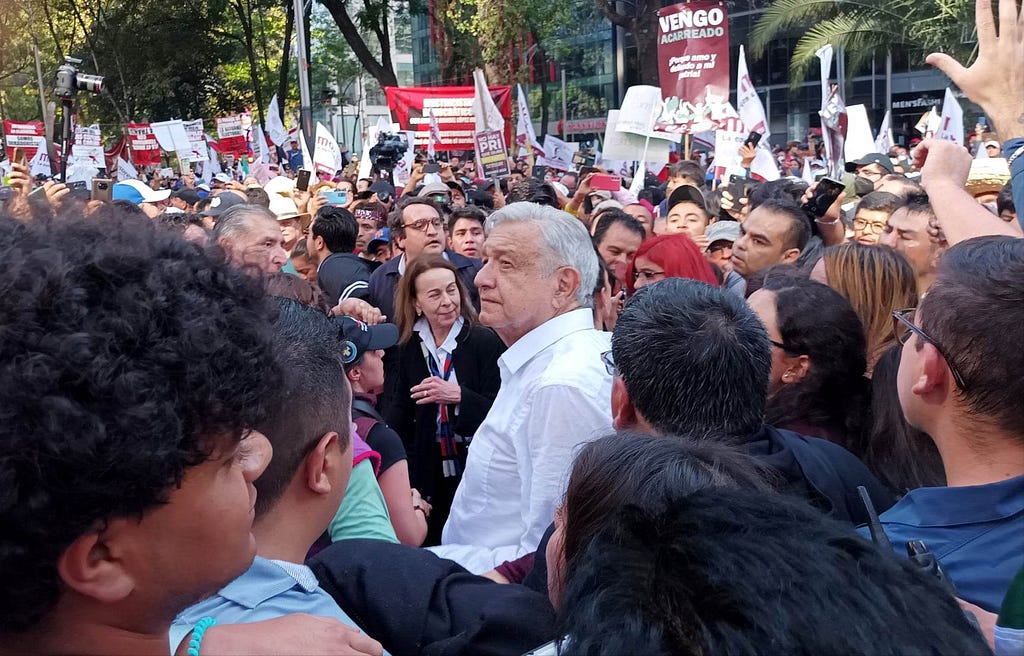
(876, 281)
(901, 456)
(689, 171)
(829, 390)
(315, 400)
(257, 196)
(730, 571)
(972, 313)
(337, 228)
(879, 201)
(693, 359)
(785, 190)
(130, 359)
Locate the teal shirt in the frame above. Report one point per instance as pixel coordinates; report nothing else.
(289, 268)
(363, 512)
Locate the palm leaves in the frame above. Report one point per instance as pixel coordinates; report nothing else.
(864, 28)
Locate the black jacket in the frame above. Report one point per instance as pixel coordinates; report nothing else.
(415, 603)
(475, 361)
(344, 275)
(384, 281)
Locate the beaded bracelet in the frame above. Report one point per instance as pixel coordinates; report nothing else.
(197, 635)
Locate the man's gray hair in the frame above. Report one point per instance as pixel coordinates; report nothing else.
(237, 219)
(563, 237)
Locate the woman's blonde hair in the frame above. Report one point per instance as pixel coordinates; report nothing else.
(876, 280)
(405, 294)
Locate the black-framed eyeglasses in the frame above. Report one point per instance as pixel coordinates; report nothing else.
(903, 325)
(609, 363)
(780, 345)
(421, 225)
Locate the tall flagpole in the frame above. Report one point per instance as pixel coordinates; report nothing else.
(305, 102)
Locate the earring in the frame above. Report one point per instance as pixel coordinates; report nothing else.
(787, 376)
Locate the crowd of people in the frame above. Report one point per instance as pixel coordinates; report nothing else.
(537, 417)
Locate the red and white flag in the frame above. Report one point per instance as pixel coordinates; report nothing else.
(435, 136)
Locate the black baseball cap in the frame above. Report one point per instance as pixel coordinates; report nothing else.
(357, 338)
(870, 158)
(221, 202)
(687, 194)
(190, 196)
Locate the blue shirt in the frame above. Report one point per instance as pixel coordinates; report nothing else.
(975, 532)
(1016, 176)
(295, 159)
(267, 590)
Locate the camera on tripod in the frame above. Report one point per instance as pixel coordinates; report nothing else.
(70, 81)
(388, 152)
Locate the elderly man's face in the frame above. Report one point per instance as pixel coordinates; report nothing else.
(517, 291)
(261, 247)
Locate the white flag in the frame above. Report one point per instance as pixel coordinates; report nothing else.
(807, 176)
(40, 164)
(125, 171)
(275, 127)
(824, 54)
(951, 123)
(326, 152)
(525, 136)
(884, 142)
(639, 177)
(750, 108)
(307, 160)
(434, 137)
(262, 149)
(484, 110)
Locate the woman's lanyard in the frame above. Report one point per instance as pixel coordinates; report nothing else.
(445, 435)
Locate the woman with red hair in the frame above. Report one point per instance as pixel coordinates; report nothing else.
(668, 256)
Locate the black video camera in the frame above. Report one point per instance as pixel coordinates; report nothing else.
(388, 152)
(70, 81)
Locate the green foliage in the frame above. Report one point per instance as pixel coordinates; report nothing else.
(866, 28)
(579, 103)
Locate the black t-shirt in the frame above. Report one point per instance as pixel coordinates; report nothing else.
(387, 443)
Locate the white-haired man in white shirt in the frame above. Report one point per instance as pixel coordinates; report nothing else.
(536, 293)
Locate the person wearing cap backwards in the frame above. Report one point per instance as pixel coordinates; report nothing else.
(379, 250)
(149, 201)
(220, 204)
(365, 372)
(873, 167)
(687, 213)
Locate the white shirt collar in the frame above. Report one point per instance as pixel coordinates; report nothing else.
(402, 262)
(544, 335)
(422, 327)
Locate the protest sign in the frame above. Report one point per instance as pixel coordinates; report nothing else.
(125, 171)
(231, 136)
(628, 146)
(557, 153)
(453, 111)
(25, 135)
(640, 108)
(693, 65)
(144, 146)
(197, 142)
(491, 153)
(88, 146)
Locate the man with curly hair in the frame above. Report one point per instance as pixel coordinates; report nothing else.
(133, 368)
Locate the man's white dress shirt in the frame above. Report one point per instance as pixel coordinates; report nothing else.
(555, 396)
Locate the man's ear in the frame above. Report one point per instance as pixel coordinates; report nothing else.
(797, 368)
(91, 567)
(316, 464)
(568, 285)
(933, 372)
(225, 244)
(790, 256)
(623, 412)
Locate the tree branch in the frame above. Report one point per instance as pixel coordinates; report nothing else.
(384, 75)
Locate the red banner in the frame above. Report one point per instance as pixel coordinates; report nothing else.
(144, 146)
(231, 136)
(453, 110)
(24, 135)
(693, 62)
